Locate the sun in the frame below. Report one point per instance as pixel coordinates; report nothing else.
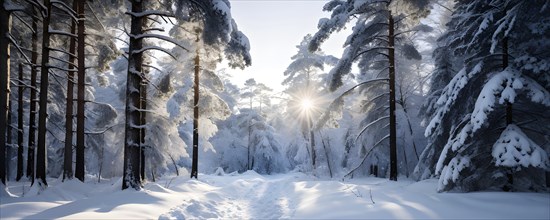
(306, 104)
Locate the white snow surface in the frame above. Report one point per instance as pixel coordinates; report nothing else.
(253, 196)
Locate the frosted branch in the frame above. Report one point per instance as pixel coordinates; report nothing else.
(370, 124)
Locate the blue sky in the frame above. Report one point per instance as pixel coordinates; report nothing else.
(274, 28)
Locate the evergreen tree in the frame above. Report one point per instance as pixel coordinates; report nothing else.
(378, 32)
(483, 149)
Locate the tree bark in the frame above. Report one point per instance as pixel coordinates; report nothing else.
(194, 166)
(510, 175)
(312, 141)
(131, 176)
(20, 91)
(41, 153)
(68, 155)
(32, 111)
(9, 141)
(393, 127)
(5, 23)
(504, 66)
(142, 122)
(80, 141)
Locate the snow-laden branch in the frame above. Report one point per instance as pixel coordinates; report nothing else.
(14, 43)
(24, 23)
(58, 32)
(64, 7)
(143, 49)
(62, 51)
(371, 49)
(449, 95)
(369, 125)
(367, 155)
(148, 13)
(339, 100)
(161, 37)
(62, 68)
(62, 60)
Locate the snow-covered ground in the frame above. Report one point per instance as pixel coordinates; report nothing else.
(250, 195)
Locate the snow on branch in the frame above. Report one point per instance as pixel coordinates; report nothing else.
(370, 124)
(64, 7)
(161, 37)
(24, 23)
(450, 94)
(505, 86)
(62, 68)
(143, 49)
(148, 13)
(515, 149)
(339, 101)
(451, 172)
(14, 43)
(371, 49)
(62, 51)
(58, 32)
(367, 154)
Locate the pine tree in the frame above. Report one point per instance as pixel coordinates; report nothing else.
(501, 87)
(219, 32)
(375, 38)
(41, 155)
(81, 72)
(68, 153)
(5, 24)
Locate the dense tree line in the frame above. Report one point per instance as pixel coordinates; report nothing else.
(76, 77)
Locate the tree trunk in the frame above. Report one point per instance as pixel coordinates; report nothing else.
(248, 162)
(20, 149)
(9, 140)
(5, 23)
(194, 166)
(131, 176)
(326, 143)
(510, 175)
(142, 121)
(393, 127)
(248, 166)
(406, 161)
(68, 155)
(312, 141)
(32, 111)
(504, 66)
(80, 141)
(43, 102)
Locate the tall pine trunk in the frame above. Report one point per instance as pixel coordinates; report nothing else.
(312, 141)
(131, 176)
(68, 155)
(142, 121)
(20, 133)
(5, 23)
(32, 111)
(79, 166)
(9, 140)
(194, 166)
(393, 127)
(41, 153)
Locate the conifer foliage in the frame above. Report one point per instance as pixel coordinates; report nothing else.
(497, 136)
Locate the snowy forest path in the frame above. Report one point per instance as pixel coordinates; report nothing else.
(231, 197)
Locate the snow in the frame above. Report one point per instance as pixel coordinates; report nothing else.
(250, 195)
(514, 149)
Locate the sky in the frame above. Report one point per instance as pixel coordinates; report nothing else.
(274, 28)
